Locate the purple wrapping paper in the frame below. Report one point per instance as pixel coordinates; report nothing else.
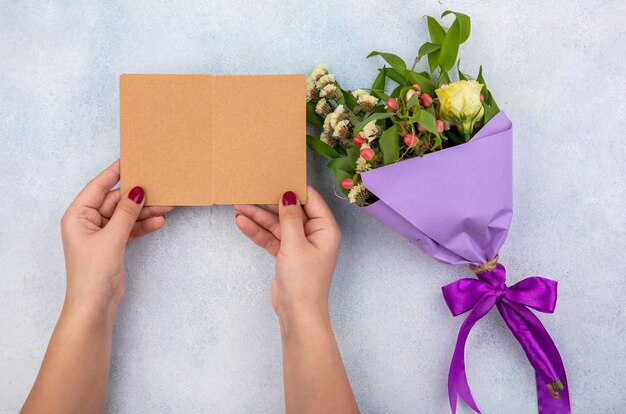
(456, 206)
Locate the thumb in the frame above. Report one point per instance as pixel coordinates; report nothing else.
(290, 216)
(125, 214)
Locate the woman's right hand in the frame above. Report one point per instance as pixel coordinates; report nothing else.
(305, 240)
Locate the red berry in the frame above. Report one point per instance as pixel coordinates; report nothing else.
(440, 126)
(367, 153)
(426, 100)
(420, 128)
(347, 183)
(392, 104)
(417, 86)
(358, 140)
(409, 94)
(482, 98)
(410, 140)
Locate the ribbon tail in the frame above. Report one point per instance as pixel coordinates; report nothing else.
(542, 354)
(457, 377)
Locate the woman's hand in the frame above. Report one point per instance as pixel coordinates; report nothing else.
(95, 229)
(305, 242)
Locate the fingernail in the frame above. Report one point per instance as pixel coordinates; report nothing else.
(289, 198)
(136, 194)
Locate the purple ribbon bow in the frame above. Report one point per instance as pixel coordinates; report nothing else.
(480, 295)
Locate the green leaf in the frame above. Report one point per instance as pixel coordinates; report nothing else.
(433, 60)
(320, 148)
(375, 116)
(414, 101)
(383, 97)
(353, 118)
(427, 120)
(348, 99)
(480, 78)
(444, 78)
(437, 33)
(427, 48)
(379, 109)
(484, 89)
(490, 112)
(462, 75)
(464, 24)
(378, 87)
(431, 110)
(425, 83)
(389, 145)
(437, 143)
(489, 99)
(396, 62)
(396, 92)
(341, 163)
(450, 48)
(493, 102)
(311, 116)
(395, 76)
(353, 154)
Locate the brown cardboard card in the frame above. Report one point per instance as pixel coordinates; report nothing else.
(203, 139)
(165, 137)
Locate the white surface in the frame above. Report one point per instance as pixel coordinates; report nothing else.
(196, 332)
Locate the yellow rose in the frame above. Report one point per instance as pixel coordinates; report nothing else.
(459, 104)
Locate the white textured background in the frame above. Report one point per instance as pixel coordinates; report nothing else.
(196, 332)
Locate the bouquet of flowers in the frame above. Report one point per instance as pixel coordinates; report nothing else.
(432, 160)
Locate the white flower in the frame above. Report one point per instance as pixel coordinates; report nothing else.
(333, 119)
(339, 114)
(327, 127)
(342, 111)
(459, 104)
(325, 80)
(322, 108)
(329, 91)
(371, 131)
(358, 92)
(367, 102)
(341, 129)
(358, 194)
(328, 139)
(319, 71)
(354, 191)
(362, 165)
(311, 91)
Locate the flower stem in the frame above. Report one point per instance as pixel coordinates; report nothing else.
(555, 387)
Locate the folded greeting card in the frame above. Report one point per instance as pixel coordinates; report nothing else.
(203, 139)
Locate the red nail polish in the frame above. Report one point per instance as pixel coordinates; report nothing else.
(289, 198)
(136, 194)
